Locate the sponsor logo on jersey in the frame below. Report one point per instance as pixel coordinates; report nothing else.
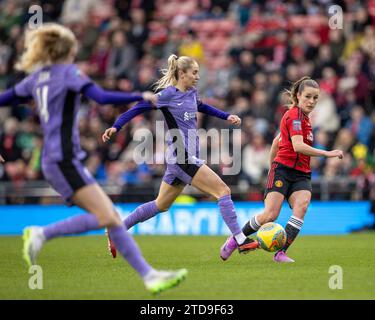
(310, 136)
(189, 115)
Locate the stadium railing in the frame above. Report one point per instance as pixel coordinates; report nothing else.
(337, 188)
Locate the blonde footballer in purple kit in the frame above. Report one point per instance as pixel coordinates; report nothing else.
(56, 84)
(179, 102)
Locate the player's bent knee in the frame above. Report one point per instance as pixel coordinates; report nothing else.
(111, 220)
(302, 208)
(270, 216)
(223, 191)
(162, 207)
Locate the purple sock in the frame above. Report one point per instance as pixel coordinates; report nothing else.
(229, 214)
(141, 213)
(128, 248)
(76, 224)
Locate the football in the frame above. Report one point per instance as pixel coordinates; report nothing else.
(271, 237)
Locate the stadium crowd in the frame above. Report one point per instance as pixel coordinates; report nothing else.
(249, 51)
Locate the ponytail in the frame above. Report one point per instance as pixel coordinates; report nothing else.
(170, 75)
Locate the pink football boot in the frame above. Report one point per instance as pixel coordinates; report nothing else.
(281, 256)
(227, 248)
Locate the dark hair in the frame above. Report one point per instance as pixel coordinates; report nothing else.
(297, 87)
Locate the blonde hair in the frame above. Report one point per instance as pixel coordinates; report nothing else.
(46, 45)
(298, 87)
(170, 75)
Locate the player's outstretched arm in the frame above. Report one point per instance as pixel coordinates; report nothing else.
(214, 112)
(233, 119)
(108, 134)
(335, 153)
(101, 96)
(1, 159)
(126, 117)
(301, 147)
(9, 97)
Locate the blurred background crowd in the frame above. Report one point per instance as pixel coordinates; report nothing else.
(249, 51)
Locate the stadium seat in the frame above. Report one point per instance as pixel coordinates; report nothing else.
(208, 26)
(226, 25)
(217, 45)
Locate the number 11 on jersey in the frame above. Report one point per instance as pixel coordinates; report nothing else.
(42, 96)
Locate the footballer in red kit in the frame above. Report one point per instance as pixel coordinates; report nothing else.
(294, 122)
(289, 176)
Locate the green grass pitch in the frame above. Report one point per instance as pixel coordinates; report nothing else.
(80, 268)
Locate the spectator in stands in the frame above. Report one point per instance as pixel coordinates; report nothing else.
(247, 66)
(135, 174)
(192, 47)
(368, 43)
(324, 60)
(10, 15)
(9, 146)
(344, 140)
(173, 43)
(75, 12)
(328, 82)
(223, 76)
(99, 58)
(259, 105)
(122, 57)
(255, 159)
(273, 88)
(237, 88)
(242, 10)
(336, 43)
(325, 115)
(138, 33)
(360, 125)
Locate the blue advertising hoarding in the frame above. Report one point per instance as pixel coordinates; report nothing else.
(198, 219)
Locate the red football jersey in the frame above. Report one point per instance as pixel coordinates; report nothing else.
(294, 122)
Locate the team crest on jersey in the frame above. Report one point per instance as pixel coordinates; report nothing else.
(297, 126)
(310, 136)
(278, 183)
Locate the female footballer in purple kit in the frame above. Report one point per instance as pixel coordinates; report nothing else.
(290, 173)
(179, 102)
(55, 83)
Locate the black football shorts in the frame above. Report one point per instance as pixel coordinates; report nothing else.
(286, 180)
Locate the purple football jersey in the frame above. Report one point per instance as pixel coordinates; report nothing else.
(179, 110)
(56, 91)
